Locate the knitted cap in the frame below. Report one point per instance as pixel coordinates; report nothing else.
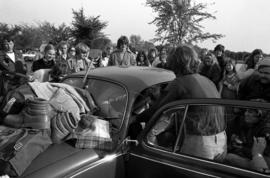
(264, 64)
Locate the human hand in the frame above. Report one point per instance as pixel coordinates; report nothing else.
(259, 144)
(236, 142)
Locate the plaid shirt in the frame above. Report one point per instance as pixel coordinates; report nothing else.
(96, 137)
(90, 141)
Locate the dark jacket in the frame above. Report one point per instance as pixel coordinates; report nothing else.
(41, 64)
(8, 68)
(212, 72)
(252, 88)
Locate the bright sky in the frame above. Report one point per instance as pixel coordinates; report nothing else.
(244, 23)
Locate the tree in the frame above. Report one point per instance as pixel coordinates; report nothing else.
(101, 43)
(86, 29)
(51, 33)
(178, 21)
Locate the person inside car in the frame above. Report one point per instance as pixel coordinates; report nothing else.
(205, 135)
(249, 140)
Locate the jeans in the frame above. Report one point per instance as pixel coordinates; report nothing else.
(208, 147)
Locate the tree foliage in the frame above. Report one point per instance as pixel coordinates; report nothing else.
(86, 29)
(179, 23)
(138, 44)
(54, 34)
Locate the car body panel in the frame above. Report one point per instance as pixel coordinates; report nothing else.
(133, 77)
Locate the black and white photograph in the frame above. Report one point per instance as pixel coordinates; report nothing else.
(134, 88)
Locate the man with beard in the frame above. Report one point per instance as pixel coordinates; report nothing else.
(258, 84)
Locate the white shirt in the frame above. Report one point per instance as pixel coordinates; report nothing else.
(11, 56)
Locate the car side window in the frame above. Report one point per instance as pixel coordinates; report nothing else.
(237, 136)
(76, 82)
(164, 133)
(111, 99)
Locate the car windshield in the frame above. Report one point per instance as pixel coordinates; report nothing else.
(111, 98)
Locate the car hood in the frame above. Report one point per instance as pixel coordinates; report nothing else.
(59, 160)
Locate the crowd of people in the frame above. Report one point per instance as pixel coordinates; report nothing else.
(207, 75)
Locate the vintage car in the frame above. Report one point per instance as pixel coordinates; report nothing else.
(121, 93)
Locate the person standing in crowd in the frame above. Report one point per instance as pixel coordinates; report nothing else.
(106, 56)
(162, 57)
(258, 84)
(152, 55)
(229, 85)
(81, 61)
(48, 61)
(63, 51)
(184, 62)
(250, 65)
(141, 59)
(71, 52)
(211, 69)
(10, 62)
(219, 52)
(122, 56)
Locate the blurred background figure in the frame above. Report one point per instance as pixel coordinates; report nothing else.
(122, 56)
(162, 57)
(141, 59)
(251, 64)
(152, 55)
(210, 69)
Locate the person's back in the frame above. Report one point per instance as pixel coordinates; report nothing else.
(197, 86)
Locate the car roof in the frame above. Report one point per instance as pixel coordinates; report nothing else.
(134, 78)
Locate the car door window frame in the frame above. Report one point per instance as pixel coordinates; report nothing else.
(186, 103)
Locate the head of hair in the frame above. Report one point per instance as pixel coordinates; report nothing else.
(142, 53)
(63, 43)
(250, 59)
(219, 47)
(230, 61)
(183, 60)
(81, 47)
(48, 47)
(122, 40)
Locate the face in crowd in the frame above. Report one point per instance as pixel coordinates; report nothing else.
(72, 51)
(64, 49)
(49, 55)
(8, 45)
(209, 59)
(163, 55)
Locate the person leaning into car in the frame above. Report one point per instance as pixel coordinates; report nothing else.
(206, 137)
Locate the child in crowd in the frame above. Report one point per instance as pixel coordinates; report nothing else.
(230, 82)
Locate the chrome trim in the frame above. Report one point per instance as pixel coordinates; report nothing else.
(94, 164)
(174, 165)
(203, 160)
